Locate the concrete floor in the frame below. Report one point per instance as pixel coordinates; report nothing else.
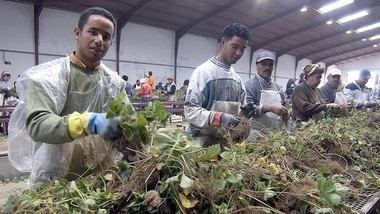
(9, 189)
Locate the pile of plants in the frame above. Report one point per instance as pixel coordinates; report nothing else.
(317, 169)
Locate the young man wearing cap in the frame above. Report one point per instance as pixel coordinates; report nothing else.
(266, 95)
(358, 93)
(216, 92)
(329, 89)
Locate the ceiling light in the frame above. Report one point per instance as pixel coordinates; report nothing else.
(353, 17)
(363, 40)
(348, 32)
(369, 27)
(329, 22)
(335, 5)
(303, 9)
(374, 37)
(375, 46)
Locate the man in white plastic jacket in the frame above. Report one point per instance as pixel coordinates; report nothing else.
(216, 92)
(59, 128)
(358, 93)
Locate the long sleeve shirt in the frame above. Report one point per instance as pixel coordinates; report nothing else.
(212, 81)
(354, 92)
(306, 102)
(254, 86)
(328, 93)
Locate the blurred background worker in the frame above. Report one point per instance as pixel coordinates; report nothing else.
(358, 93)
(170, 89)
(330, 88)
(308, 102)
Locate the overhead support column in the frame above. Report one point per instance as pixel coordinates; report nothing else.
(183, 30)
(275, 68)
(121, 22)
(250, 62)
(37, 12)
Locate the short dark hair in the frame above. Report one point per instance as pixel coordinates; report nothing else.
(95, 11)
(150, 73)
(125, 77)
(186, 82)
(236, 29)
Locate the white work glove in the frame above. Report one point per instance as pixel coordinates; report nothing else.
(228, 120)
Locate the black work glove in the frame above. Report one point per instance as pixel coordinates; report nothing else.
(228, 120)
(249, 110)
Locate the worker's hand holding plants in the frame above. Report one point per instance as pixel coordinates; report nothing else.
(249, 110)
(228, 120)
(109, 129)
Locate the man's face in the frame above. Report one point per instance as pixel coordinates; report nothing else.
(362, 81)
(264, 68)
(232, 50)
(94, 40)
(334, 81)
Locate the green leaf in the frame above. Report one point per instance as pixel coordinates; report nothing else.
(325, 186)
(226, 155)
(141, 120)
(219, 171)
(324, 170)
(220, 184)
(91, 204)
(232, 179)
(212, 153)
(25, 199)
(172, 179)
(186, 182)
(335, 198)
(340, 189)
(268, 194)
(10, 204)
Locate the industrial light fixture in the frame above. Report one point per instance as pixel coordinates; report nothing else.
(353, 17)
(304, 9)
(349, 31)
(374, 37)
(369, 27)
(335, 5)
(363, 40)
(329, 22)
(375, 46)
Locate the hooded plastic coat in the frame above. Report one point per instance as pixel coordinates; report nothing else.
(48, 162)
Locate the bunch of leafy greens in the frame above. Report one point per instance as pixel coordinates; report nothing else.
(316, 169)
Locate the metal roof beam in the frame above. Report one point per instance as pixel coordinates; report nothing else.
(301, 30)
(324, 38)
(282, 15)
(347, 58)
(123, 20)
(341, 53)
(340, 44)
(183, 30)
